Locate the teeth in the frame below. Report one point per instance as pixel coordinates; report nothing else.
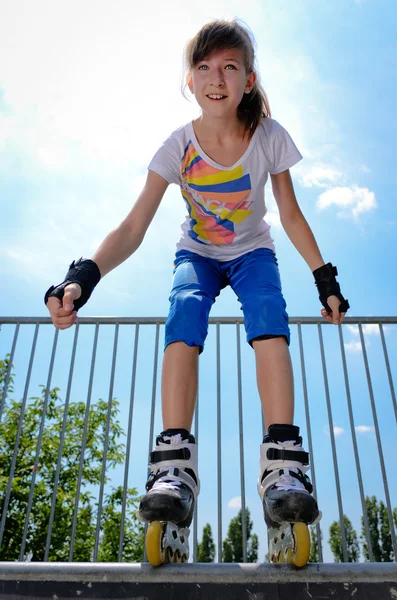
(216, 96)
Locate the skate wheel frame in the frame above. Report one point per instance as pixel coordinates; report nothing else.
(166, 543)
(290, 543)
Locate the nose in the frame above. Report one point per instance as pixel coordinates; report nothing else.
(218, 79)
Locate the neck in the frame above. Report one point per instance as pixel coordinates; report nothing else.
(220, 128)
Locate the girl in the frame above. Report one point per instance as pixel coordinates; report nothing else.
(221, 163)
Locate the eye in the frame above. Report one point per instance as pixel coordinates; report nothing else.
(203, 67)
(230, 65)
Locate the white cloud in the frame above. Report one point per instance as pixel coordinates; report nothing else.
(364, 428)
(365, 169)
(92, 114)
(352, 201)
(354, 346)
(368, 329)
(273, 218)
(76, 227)
(235, 502)
(321, 176)
(337, 431)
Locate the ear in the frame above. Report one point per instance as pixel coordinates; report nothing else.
(251, 80)
(189, 81)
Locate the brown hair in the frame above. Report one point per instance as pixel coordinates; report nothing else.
(220, 35)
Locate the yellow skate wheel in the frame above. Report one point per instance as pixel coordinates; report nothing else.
(289, 556)
(301, 550)
(153, 544)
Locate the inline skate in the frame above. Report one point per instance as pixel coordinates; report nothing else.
(285, 491)
(172, 488)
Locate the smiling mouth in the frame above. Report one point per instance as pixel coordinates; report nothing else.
(216, 97)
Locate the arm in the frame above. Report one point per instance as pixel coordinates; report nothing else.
(300, 234)
(118, 245)
(123, 241)
(293, 221)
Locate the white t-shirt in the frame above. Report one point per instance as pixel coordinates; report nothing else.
(225, 205)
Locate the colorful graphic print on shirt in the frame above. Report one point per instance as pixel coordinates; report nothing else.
(217, 200)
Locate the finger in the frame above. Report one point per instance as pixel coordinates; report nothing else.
(72, 292)
(58, 313)
(53, 303)
(335, 311)
(61, 311)
(65, 322)
(326, 315)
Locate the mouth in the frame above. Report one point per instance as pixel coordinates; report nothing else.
(216, 97)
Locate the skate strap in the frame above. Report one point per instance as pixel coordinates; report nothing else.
(160, 455)
(303, 479)
(273, 477)
(175, 474)
(294, 455)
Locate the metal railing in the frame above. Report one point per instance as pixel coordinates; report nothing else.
(10, 330)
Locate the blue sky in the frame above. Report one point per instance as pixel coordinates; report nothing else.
(87, 94)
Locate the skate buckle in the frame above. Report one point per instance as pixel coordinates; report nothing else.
(290, 455)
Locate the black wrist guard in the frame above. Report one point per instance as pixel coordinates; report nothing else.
(86, 273)
(328, 286)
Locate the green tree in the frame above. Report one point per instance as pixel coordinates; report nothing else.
(134, 531)
(233, 544)
(335, 541)
(206, 549)
(385, 537)
(379, 531)
(314, 553)
(373, 526)
(68, 478)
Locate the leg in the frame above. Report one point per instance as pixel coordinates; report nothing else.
(275, 380)
(179, 392)
(196, 284)
(283, 485)
(255, 279)
(173, 483)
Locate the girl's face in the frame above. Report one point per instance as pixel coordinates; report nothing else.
(220, 81)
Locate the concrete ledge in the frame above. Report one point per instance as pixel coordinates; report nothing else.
(59, 581)
(199, 572)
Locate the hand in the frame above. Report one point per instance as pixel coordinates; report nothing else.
(62, 314)
(335, 316)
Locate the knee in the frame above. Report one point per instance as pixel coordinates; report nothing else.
(188, 318)
(189, 303)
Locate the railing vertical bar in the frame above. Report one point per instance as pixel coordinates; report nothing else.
(241, 437)
(219, 439)
(20, 424)
(195, 523)
(58, 469)
(333, 445)
(38, 447)
(153, 410)
(154, 389)
(128, 449)
(379, 443)
(389, 375)
(7, 379)
(83, 443)
(105, 450)
(309, 436)
(355, 446)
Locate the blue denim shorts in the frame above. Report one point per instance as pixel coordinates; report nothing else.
(198, 280)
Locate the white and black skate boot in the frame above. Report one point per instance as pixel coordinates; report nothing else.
(172, 488)
(286, 494)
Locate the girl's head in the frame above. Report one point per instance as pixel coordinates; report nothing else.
(220, 59)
